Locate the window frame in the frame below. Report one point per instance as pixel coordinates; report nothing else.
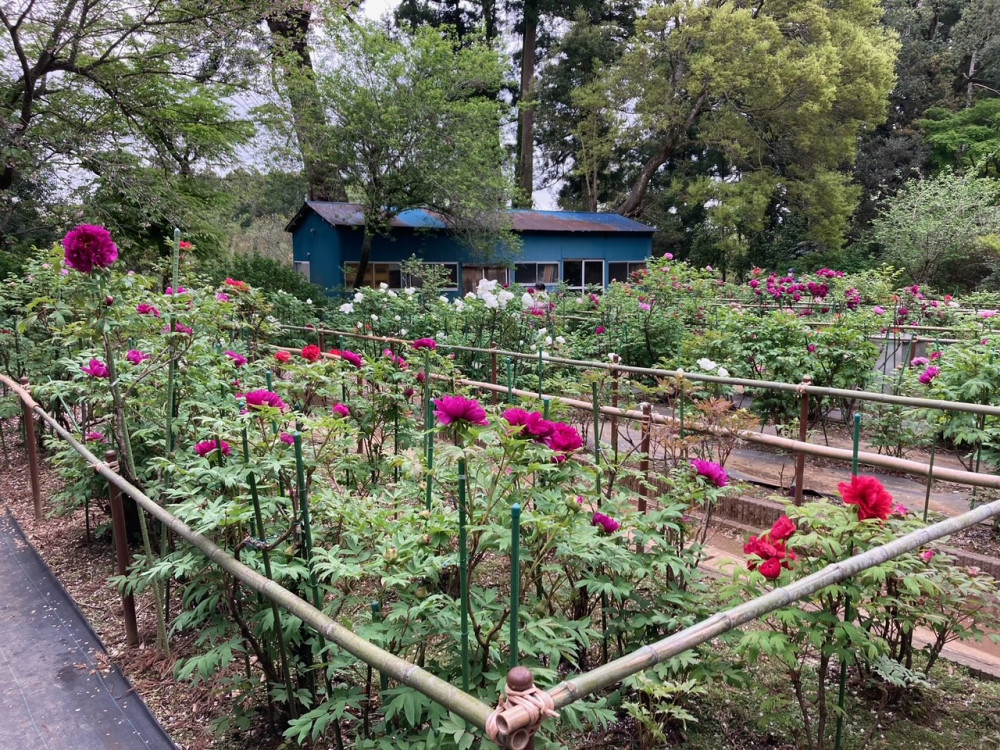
(583, 273)
(407, 279)
(349, 278)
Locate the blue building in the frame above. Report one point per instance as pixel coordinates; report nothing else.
(578, 249)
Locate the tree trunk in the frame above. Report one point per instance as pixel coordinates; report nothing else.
(526, 108)
(289, 32)
(366, 253)
(972, 73)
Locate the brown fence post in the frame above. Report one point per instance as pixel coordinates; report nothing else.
(322, 340)
(31, 446)
(647, 422)
(615, 359)
(493, 372)
(122, 553)
(800, 458)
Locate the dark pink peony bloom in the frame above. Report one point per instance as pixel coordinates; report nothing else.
(599, 330)
(929, 374)
(221, 297)
(459, 409)
(238, 359)
(533, 424)
(711, 471)
(401, 363)
(564, 440)
(180, 328)
(425, 344)
(96, 369)
(136, 357)
(287, 438)
(170, 291)
(89, 246)
(144, 308)
(607, 523)
(263, 397)
(205, 447)
(342, 410)
(353, 358)
(94, 437)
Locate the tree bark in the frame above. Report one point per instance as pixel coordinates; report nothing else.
(366, 254)
(289, 31)
(526, 108)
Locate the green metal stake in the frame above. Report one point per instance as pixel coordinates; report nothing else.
(428, 431)
(463, 570)
(176, 250)
(300, 481)
(842, 691)
(275, 613)
(541, 370)
(515, 581)
(546, 406)
(930, 476)
(510, 379)
(597, 466)
(383, 678)
(680, 403)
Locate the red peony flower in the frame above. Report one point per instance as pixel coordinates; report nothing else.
(873, 499)
(311, 353)
(459, 409)
(88, 246)
(770, 569)
(283, 356)
(240, 286)
(783, 528)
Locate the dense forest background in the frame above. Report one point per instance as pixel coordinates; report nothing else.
(777, 133)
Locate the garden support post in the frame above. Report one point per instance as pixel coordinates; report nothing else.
(800, 459)
(520, 695)
(493, 372)
(463, 572)
(615, 359)
(647, 423)
(31, 446)
(510, 379)
(122, 553)
(515, 580)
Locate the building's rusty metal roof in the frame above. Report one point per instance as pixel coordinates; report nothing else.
(350, 215)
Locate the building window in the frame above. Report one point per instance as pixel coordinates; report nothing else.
(472, 275)
(375, 275)
(578, 274)
(530, 274)
(450, 280)
(302, 267)
(622, 271)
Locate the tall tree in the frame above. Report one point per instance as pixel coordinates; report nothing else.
(409, 127)
(780, 88)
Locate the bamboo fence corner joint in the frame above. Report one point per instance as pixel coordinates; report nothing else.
(533, 706)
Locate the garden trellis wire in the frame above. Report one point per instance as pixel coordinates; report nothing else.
(512, 721)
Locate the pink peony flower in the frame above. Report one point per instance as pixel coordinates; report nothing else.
(342, 410)
(711, 471)
(94, 437)
(878, 310)
(563, 440)
(88, 246)
(533, 424)
(354, 359)
(919, 361)
(136, 357)
(263, 397)
(180, 328)
(205, 447)
(927, 555)
(221, 297)
(170, 291)
(96, 369)
(287, 438)
(929, 374)
(239, 286)
(426, 343)
(238, 359)
(599, 330)
(144, 308)
(987, 313)
(396, 359)
(607, 523)
(459, 409)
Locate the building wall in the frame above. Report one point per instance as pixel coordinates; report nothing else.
(328, 248)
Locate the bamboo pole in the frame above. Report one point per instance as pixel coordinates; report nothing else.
(800, 458)
(31, 447)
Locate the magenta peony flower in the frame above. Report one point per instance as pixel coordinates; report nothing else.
(354, 359)
(205, 447)
(599, 330)
(929, 374)
(711, 471)
(263, 397)
(919, 361)
(607, 523)
(287, 438)
(144, 308)
(221, 297)
(89, 246)
(459, 409)
(180, 328)
(425, 344)
(342, 410)
(238, 359)
(96, 369)
(564, 440)
(533, 424)
(94, 437)
(170, 291)
(927, 555)
(136, 357)
(401, 363)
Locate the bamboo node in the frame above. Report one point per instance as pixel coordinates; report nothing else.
(521, 693)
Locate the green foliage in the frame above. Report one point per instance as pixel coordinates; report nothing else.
(965, 140)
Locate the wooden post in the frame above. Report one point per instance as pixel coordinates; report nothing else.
(122, 553)
(31, 446)
(647, 422)
(800, 459)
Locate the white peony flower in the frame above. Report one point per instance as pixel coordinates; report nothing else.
(382, 286)
(397, 319)
(548, 341)
(706, 364)
(309, 301)
(459, 305)
(560, 340)
(391, 293)
(527, 301)
(723, 372)
(347, 307)
(542, 331)
(374, 317)
(410, 291)
(359, 297)
(504, 297)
